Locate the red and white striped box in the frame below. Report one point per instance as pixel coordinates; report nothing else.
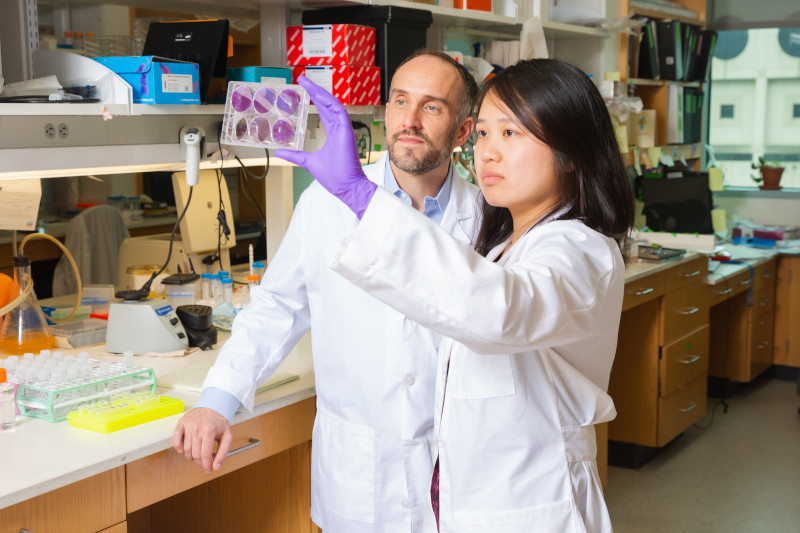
(351, 85)
(330, 44)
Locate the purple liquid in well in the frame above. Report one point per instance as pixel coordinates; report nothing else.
(282, 132)
(264, 100)
(288, 100)
(259, 129)
(240, 129)
(241, 98)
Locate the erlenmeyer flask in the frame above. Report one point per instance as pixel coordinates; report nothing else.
(24, 327)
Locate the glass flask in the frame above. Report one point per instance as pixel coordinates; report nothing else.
(24, 328)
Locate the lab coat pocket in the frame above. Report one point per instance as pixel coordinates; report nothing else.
(482, 376)
(558, 517)
(345, 467)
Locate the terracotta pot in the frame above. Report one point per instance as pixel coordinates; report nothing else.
(772, 177)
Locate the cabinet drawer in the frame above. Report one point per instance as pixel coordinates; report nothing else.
(683, 311)
(685, 274)
(761, 344)
(681, 409)
(643, 290)
(722, 290)
(93, 504)
(764, 276)
(167, 473)
(684, 360)
(763, 302)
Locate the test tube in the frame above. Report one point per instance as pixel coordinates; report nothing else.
(216, 289)
(227, 290)
(258, 269)
(206, 286)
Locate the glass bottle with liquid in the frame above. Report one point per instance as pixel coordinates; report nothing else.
(25, 328)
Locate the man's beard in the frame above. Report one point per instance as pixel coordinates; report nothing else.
(431, 159)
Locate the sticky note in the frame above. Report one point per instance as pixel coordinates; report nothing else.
(715, 178)
(611, 76)
(718, 221)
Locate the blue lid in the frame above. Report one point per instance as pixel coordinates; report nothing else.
(206, 275)
(213, 276)
(258, 264)
(224, 274)
(227, 281)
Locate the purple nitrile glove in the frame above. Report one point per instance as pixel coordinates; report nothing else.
(335, 166)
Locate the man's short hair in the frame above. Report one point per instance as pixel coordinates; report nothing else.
(469, 88)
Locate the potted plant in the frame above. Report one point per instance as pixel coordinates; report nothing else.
(771, 172)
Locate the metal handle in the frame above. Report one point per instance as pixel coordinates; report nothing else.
(762, 345)
(253, 444)
(766, 275)
(644, 291)
(691, 274)
(690, 311)
(726, 291)
(763, 303)
(745, 282)
(692, 359)
(692, 405)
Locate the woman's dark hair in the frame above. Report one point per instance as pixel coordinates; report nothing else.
(559, 104)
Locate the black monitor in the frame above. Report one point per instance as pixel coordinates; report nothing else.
(204, 42)
(678, 205)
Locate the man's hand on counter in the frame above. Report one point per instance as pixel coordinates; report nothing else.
(196, 434)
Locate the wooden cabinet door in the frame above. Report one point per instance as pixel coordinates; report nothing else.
(787, 313)
(92, 504)
(684, 360)
(760, 348)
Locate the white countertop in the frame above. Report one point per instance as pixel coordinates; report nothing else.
(40, 456)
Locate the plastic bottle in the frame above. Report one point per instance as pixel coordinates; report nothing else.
(25, 327)
(8, 418)
(258, 269)
(216, 289)
(205, 287)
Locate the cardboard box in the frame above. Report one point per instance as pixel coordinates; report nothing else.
(477, 5)
(157, 80)
(330, 44)
(642, 129)
(260, 74)
(351, 85)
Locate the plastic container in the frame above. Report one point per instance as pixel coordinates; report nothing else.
(8, 416)
(398, 32)
(205, 282)
(82, 333)
(182, 289)
(123, 411)
(227, 290)
(40, 398)
(258, 269)
(265, 115)
(139, 274)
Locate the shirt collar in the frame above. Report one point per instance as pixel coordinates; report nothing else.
(433, 206)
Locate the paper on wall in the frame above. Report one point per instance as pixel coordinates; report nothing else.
(20, 201)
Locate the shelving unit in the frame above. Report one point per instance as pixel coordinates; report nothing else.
(654, 93)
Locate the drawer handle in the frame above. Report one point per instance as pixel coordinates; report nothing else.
(692, 274)
(691, 407)
(766, 275)
(689, 311)
(692, 359)
(745, 282)
(253, 444)
(763, 303)
(762, 345)
(644, 291)
(726, 291)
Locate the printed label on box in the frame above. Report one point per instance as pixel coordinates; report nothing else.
(321, 76)
(317, 41)
(267, 79)
(176, 83)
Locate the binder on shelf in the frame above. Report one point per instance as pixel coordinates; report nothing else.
(690, 35)
(670, 49)
(648, 66)
(706, 42)
(675, 118)
(634, 45)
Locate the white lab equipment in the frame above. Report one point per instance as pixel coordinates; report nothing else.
(143, 326)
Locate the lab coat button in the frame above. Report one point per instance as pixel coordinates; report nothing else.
(404, 503)
(409, 379)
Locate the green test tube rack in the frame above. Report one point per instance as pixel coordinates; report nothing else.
(41, 400)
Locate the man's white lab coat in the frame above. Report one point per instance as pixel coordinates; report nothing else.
(533, 339)
(375, 370)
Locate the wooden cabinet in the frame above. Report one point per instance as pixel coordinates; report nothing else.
(658, 381)
(742, 324)
(787, 313)
(93, 504)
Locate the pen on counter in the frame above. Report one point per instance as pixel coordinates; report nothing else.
(191, 265)
(179, 269)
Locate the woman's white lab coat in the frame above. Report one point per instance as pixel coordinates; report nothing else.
(533, 340)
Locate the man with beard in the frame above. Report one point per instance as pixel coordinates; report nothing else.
(374, 369)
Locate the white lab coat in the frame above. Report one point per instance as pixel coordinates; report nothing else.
(533, 338)
(375, 370)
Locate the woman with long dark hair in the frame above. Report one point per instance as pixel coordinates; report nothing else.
(529, 317)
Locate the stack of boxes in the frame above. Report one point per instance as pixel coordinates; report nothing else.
(338, 57)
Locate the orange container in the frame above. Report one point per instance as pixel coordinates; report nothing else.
(476, 5)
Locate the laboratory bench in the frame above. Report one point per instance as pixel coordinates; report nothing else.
(56, 477)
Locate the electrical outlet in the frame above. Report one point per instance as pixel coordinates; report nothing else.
(49, 131)
(63, 130)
